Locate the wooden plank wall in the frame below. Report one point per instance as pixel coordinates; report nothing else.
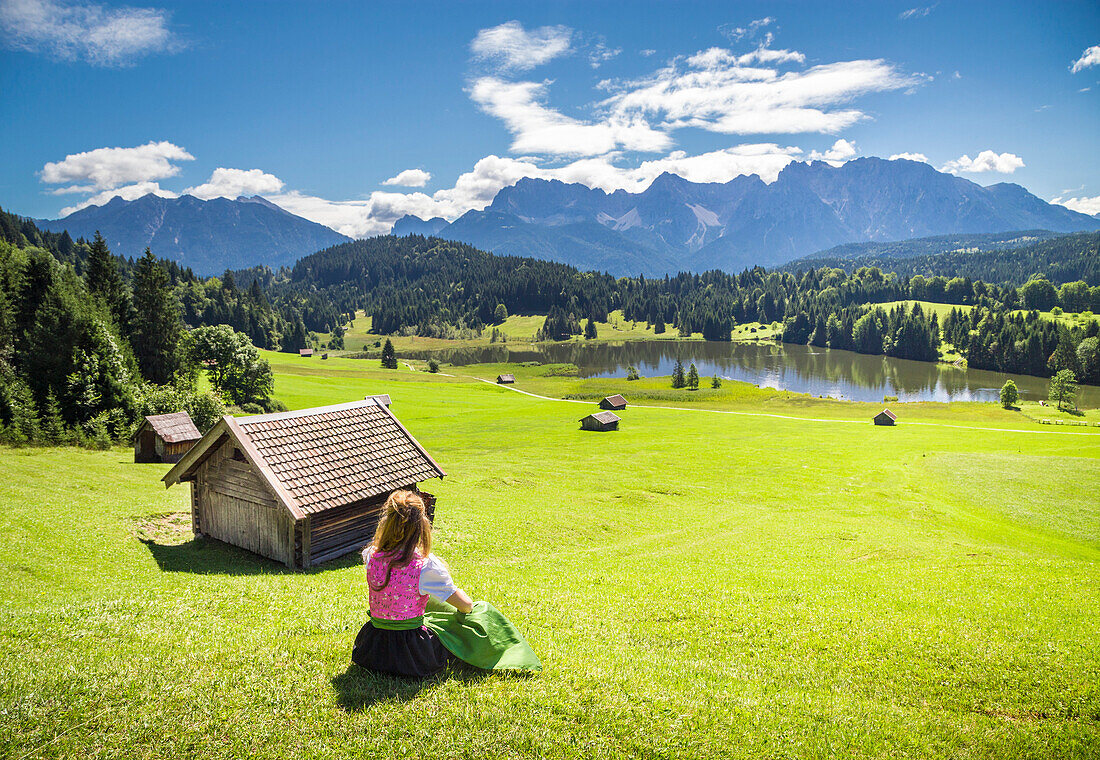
(235, 506)
(341, 530)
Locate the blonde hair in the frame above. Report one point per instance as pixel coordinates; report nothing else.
(403, 529)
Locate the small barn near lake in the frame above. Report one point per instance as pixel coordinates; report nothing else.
(601, 421)
(616, 402)
(506, 379)
(885, 417)
(165, 437)
(301, 487)
(305, 352)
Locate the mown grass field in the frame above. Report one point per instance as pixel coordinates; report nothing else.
(697, 584)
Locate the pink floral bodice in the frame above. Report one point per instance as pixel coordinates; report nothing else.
(401, 598)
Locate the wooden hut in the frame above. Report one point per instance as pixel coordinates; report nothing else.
(301, 487)
(885, 417)
(305, 352)
(601, 421)
(165, 437)
(506, 379)
(324, 355)
(383, 398)
(615, 402)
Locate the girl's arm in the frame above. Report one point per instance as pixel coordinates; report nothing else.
(461, 601)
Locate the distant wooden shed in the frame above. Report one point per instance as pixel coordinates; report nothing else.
(615, 402)
(305, 352)
(165, 437)
(301, 487)
(383, 398)
(324, 355)
(506, 379)
(601, 421)
(885, 417)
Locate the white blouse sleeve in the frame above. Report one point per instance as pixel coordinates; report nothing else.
(435, 579)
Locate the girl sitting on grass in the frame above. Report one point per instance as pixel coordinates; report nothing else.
(402, 637)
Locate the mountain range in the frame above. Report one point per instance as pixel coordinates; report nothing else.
(677, 225)
(208, 236)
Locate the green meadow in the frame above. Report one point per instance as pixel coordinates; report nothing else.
(736, 573)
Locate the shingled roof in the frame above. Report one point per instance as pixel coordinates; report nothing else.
(173, 428)
(317, 459)
(603, 417)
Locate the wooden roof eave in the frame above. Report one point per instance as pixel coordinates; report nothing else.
(228, 427)
(195, 455)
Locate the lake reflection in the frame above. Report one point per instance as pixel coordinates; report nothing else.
(802, 369)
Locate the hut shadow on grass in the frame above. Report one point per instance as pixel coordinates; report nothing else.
(358, 688)
(207, 556)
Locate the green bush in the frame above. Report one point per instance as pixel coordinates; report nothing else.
(205, 410)
(433, 365)
(271, 405)
(251, 408)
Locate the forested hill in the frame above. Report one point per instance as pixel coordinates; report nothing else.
(1012, 259)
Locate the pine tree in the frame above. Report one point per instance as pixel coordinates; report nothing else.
(658, 326)
(678, 375)
(389, 356)
(156, 324)
(105, 282)
(589, 329)
(53, 428)
(693, 378)
(715, 382)
(500, 313)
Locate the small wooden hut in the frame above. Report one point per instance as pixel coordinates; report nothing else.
(165, 437)
(383, 398)
(616, 402)
(301, 487)
(506, 379)
(305, 352)
(601, 421)
(324, 355)
(885, 417)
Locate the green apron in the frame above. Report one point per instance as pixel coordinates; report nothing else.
(482, 637)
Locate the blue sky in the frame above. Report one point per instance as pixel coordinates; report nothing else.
(353, 114)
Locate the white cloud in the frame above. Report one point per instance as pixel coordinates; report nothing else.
(1091, 57)
(539, 129)
(918, 12)
(841, 152)
(986, 161)
(510, 47)
(717, 91)
(94, 33)
(127, 193)
(410, 178)
(232, 183)
(1084, 205)
(600, 53)
(106, 168)
(647, 52)
(738, 33)
(910, 157)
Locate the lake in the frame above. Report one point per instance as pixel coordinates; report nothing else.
(802, 369)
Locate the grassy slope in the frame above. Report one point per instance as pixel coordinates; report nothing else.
(696, 584)
(522, 329)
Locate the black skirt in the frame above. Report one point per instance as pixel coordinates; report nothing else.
(413, 653)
